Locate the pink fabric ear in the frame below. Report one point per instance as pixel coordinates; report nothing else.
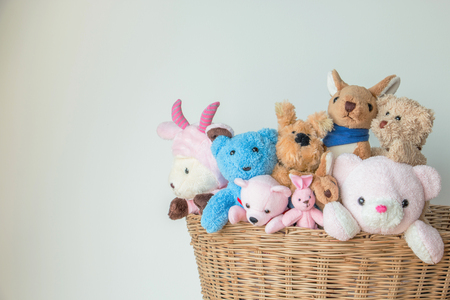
(241, 182)
(168, 130)
(344, 164)
(281, 189)
(297, 181)
(307, 180)
(430, 179)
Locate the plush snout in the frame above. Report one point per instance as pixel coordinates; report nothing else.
(258, 218)
(382, 214)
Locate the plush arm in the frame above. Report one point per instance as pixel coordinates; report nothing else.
(215, 214)
(237, 214)
(275, 224)
(338, 222)
(317, 216)
(292, 216)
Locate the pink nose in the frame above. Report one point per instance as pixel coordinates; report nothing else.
(381, 209)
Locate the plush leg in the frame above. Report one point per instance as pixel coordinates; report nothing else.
(178, 209)
(338, 222)
(201, 200)
(275, 224)
(425, 242)
(363, 150)
(237, 214)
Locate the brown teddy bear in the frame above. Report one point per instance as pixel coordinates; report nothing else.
(402, 127)
(300, 151)
(352, 109)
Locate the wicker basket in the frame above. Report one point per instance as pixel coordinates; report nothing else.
(243, 262)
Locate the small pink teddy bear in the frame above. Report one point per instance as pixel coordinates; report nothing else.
(264, 201)
(303, 199)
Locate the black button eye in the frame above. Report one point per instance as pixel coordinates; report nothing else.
(398, 118)
(255, 149)
(267, 211)
(405, 203)
(247, 205)
(361, 201)
(370, 107)
(186, 171)
(387, 113)
(232, 152)
(335, 99)
(293, 132)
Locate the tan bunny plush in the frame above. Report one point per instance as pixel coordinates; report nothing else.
(352, 109)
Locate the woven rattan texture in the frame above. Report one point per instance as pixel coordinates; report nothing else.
(243, 262)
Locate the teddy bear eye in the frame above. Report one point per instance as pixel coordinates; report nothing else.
(267, 211)
(361, 201)
(398, 118)
(405, 203)
(335, 99)
(247, 205)
(232, 152)
(186, 171)
(370, 107)
(293, 132)
(255, 149)
(387, 113)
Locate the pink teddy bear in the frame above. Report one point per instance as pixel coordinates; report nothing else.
(303, 199)
(264, 201)
(380, 196)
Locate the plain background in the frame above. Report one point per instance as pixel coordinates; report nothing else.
(83, 85)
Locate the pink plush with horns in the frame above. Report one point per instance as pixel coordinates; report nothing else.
(303, 199)
(264, 201)
(381, 196)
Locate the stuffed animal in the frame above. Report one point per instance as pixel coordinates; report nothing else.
(352, 109)
(244, 156)
(380, 196)
(304, 213)
(194, 169)
(300, 150)
(402, 127)
(263, 202)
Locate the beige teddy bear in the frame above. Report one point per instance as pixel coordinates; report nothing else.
(402, 127)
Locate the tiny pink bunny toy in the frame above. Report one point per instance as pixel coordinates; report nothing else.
(303, 199)
(264, 201)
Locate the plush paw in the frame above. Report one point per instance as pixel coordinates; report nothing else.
(425, 242)
(338, 222)
(215, 214)
(201, 200)
(274, 225)
(237, 214)
(178, 209)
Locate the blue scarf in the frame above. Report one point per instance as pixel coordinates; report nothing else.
(343, 135)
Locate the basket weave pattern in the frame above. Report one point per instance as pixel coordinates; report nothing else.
(243, 262)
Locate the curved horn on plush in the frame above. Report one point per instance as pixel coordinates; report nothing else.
(177, 115)
(207, 116)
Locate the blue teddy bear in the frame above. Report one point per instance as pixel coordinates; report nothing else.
(244, 156)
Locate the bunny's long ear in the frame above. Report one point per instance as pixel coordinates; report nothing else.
(389, 85)
(334, 82)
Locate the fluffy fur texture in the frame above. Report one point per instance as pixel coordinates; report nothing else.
(402, 127)
(304, 214)
(354, 106)
(244, 156)
(264, 201)
(384, 197)
(300, 150)
(194, 170)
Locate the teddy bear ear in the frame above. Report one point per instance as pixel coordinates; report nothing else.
(285, 191)
(241, 182)
(321, 123)
(218, 143)
(334, 82)
(215, 130)
(389, 85)
(168, 130)
(430, 179)
(343, 165)
(270, 134)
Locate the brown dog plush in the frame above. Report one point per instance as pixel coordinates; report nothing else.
(352, 109)
(402, 127)
(300, 151)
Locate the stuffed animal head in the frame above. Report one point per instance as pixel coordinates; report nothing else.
(194, 170)
(303, 198)
(382, 195)
(354, 106)
(246, 155)
(299, 143)
(263, 198)
(402, 119)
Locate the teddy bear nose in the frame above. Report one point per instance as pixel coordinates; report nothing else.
(253, 220)
(382, 124)
(302, 139)
(171, 185)
(381, 209)
(246, 168)
(349, 106)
